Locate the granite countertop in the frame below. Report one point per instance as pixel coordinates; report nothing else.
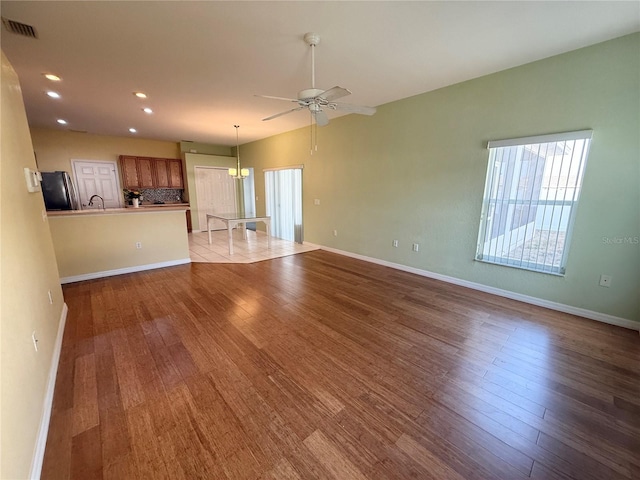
(167, 207)
(162, 205)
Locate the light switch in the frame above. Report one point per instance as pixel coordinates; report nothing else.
(32, 178)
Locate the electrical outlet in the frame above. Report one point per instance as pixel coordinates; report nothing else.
(35, 340)
(44, 215)
(416, 247)
(335, 233)
(50, 298)
(316, 201)
(138, 244)
(395, 243)
(605, 281)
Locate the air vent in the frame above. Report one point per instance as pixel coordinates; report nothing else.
(19, 28)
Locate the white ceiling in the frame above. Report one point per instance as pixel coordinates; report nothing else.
(202, 62)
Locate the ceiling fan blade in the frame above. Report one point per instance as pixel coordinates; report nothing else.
(333, 93)
(277, 98)
(321, 118)
(282, 113)
(346, 107)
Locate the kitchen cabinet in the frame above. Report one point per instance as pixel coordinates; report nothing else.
(150, 172)
(129, 171)
(175, 173)
(145, 172)
(162, 173)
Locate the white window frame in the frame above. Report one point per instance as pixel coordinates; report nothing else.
(506, 191)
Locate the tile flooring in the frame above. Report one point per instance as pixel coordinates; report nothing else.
(253, 249)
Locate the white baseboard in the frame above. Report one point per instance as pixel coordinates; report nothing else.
(121, 271)
(560, 307)
(43, 431)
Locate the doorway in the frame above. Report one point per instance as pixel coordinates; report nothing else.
(283, 189)
(97, 178)
(249, 197)
(215, 193)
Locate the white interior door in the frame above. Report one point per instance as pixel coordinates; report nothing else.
(215, 193)
(97, 178)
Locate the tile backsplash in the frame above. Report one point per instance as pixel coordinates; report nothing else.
(166, 195)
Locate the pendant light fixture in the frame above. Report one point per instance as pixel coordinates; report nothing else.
(238, 173)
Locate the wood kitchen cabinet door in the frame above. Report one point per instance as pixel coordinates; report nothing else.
(145, 172)
(150, 172)
(175, 173)
(162, 172)
(129, 171)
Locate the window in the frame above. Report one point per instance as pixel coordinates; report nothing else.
(530, 198)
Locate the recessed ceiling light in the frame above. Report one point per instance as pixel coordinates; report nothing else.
(53, 94)
(52, 77)
(147, 110)
(140, 94)
(133, 130)
(61, 121)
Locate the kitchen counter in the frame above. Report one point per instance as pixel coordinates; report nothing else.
(167, 207)
(99, 243)
(163, 205)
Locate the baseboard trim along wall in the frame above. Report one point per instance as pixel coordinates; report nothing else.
(560, 307)
(121, 271)
(43, 431)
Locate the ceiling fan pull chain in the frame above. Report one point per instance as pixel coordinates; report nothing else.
(311, 132)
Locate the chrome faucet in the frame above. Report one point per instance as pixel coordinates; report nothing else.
(94, 196)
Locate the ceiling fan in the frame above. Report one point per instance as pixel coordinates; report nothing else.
(317, 100)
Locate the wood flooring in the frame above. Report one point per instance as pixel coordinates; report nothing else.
(319, 366)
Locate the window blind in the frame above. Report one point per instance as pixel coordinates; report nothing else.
(531, 193)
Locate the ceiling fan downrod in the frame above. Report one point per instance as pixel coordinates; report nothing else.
(312, 40)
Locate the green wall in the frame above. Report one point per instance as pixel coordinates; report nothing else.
(415, 172)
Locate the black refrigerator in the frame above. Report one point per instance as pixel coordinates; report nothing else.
(58, 191)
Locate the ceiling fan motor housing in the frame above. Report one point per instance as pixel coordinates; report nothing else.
(309, 93)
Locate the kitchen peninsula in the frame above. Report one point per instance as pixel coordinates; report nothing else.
(100, 243)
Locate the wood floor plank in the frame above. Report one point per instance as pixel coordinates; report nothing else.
(331, 457)
(59, 439)
(482, 447)
(436, 466)
(319, 366)
(86, 455)
(283, 470)
(85, 397)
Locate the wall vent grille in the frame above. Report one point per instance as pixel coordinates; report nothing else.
(19, 28)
